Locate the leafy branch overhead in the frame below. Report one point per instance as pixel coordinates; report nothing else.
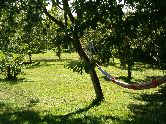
(78, 66)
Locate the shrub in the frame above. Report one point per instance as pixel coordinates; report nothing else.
(10, 65)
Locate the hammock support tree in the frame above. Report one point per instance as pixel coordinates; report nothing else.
(144, 85)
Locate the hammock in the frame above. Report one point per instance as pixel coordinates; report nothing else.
(144, 85)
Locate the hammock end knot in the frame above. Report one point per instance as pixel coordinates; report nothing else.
(113, 80)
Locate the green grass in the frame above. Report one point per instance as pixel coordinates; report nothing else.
(48, 93)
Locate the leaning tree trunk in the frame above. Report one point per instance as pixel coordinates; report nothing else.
(79, 49)
(96, 84)
(93, 75)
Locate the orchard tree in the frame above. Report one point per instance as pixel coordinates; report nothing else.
(138, 35)
(150, 19)
(85, 15)
(10, 42)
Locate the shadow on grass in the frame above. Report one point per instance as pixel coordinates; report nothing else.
(13, 81)
(94, 103)
(53, 60)
(44, 62)
(37, 65)
(33, 117)
(9, 116)
(154, 109)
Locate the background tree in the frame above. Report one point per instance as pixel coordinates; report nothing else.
(150, 16)
(10, 41)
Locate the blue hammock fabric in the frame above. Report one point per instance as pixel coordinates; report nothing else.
(105, 73)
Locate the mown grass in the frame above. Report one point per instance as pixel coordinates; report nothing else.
(48, 93)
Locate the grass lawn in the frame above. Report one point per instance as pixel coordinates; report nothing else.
(48, 93)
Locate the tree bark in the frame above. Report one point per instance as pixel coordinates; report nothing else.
(58, 52)
(129, 70)
(129, 58)
(9, 75)
(30, 57)
(96, 84)
(93, 75)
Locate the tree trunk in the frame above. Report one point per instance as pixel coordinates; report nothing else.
(30, 57)
(58, 52)
(129, 70)
(8, 69)
(93, 75)
(129, 58)
(96, 84)
(79, 49)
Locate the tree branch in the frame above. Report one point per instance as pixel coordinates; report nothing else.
(67, 10)
(56, 4)
(59, 23)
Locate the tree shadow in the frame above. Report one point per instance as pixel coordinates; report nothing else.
(38, 64)
(32, 117)
(13, 81)
(53, 60)
(44, 62)
(125, 79)
(153, 111)
(10, 116)
(94, 103)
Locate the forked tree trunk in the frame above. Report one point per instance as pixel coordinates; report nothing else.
(93, 75)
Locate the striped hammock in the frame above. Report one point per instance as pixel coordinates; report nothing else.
(144, 85)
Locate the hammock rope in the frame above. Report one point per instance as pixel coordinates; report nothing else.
(141, 86)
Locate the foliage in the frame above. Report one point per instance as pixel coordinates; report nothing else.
(150, 17)
(10, 65)
(78, 66)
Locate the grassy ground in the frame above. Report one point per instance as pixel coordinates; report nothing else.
(48, 93)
